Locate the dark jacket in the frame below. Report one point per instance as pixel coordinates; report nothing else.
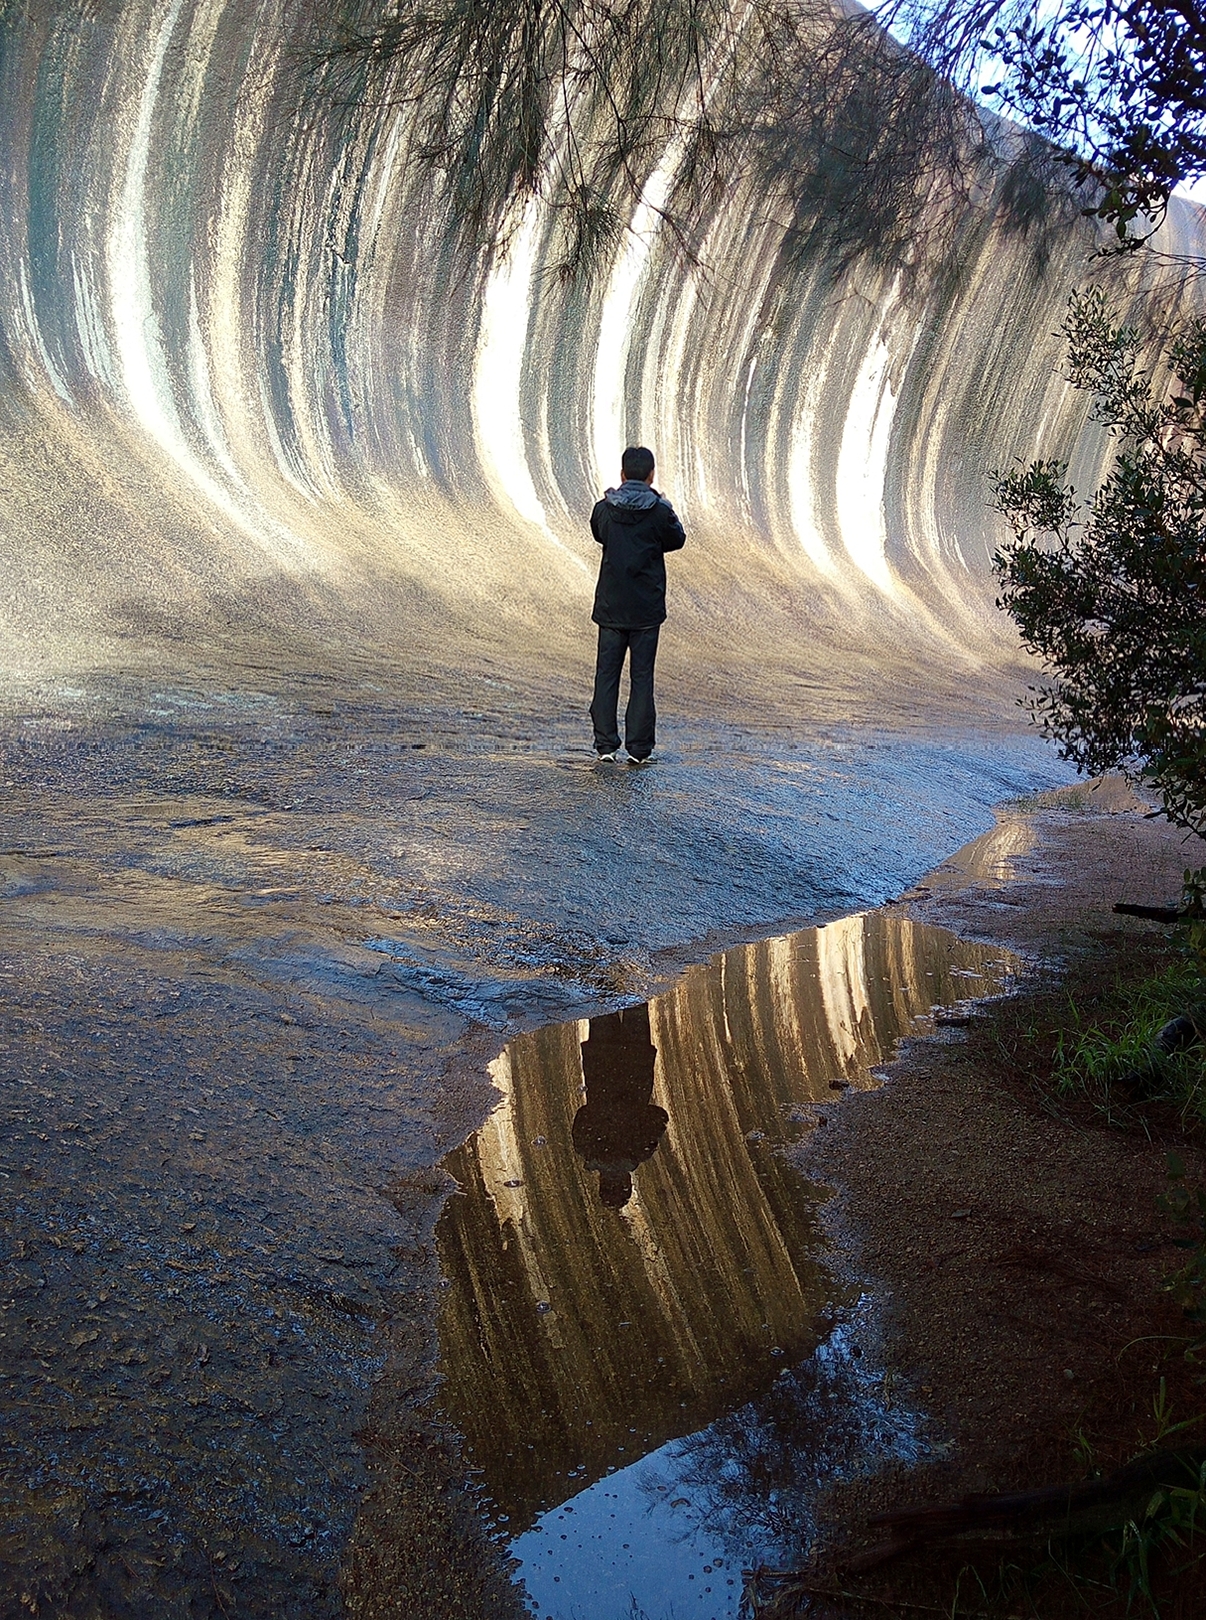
(636, 527)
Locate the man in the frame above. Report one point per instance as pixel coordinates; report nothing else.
(636, 527)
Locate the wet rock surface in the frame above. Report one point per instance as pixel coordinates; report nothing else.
(258, 947)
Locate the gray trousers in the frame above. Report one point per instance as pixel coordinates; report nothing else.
(640, 716)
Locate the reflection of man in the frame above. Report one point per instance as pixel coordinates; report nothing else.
(617, 1127)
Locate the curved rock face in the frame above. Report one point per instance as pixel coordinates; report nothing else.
(248, 391)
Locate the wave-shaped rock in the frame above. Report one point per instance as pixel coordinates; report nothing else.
(248, 390)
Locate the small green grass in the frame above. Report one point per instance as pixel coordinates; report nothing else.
(1103, 1041)
(1079, 796)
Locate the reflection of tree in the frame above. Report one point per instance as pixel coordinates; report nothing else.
(753, 1478)
(618, 1127)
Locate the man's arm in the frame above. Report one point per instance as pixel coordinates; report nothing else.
(673, 536)
(594, 520)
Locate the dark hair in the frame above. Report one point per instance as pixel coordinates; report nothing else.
(636, 462)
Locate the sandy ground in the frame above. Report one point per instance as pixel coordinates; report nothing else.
(1015, 1244)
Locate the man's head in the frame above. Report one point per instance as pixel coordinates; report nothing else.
(615, 1186)
(637, 463)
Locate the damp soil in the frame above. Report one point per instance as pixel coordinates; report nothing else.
(1016, 1247)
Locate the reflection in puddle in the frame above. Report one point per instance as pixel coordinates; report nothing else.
(673, 1532)
(634, 1271)
(618, 1127)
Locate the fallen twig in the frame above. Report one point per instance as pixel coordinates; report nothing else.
(213, 1581)
(800, 1588)
(1023, 1254)
(913, 1527)
(1165, 914)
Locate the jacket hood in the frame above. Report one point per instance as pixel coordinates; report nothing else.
(633, 494)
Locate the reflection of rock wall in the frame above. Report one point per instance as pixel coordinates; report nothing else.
(572, 1330)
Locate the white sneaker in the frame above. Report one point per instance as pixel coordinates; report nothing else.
(605, 759)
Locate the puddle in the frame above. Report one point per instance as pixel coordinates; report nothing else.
(640, 1342)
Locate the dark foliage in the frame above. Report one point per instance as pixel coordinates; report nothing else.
(1113, 597)
(1118, 88)
(848, 139)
